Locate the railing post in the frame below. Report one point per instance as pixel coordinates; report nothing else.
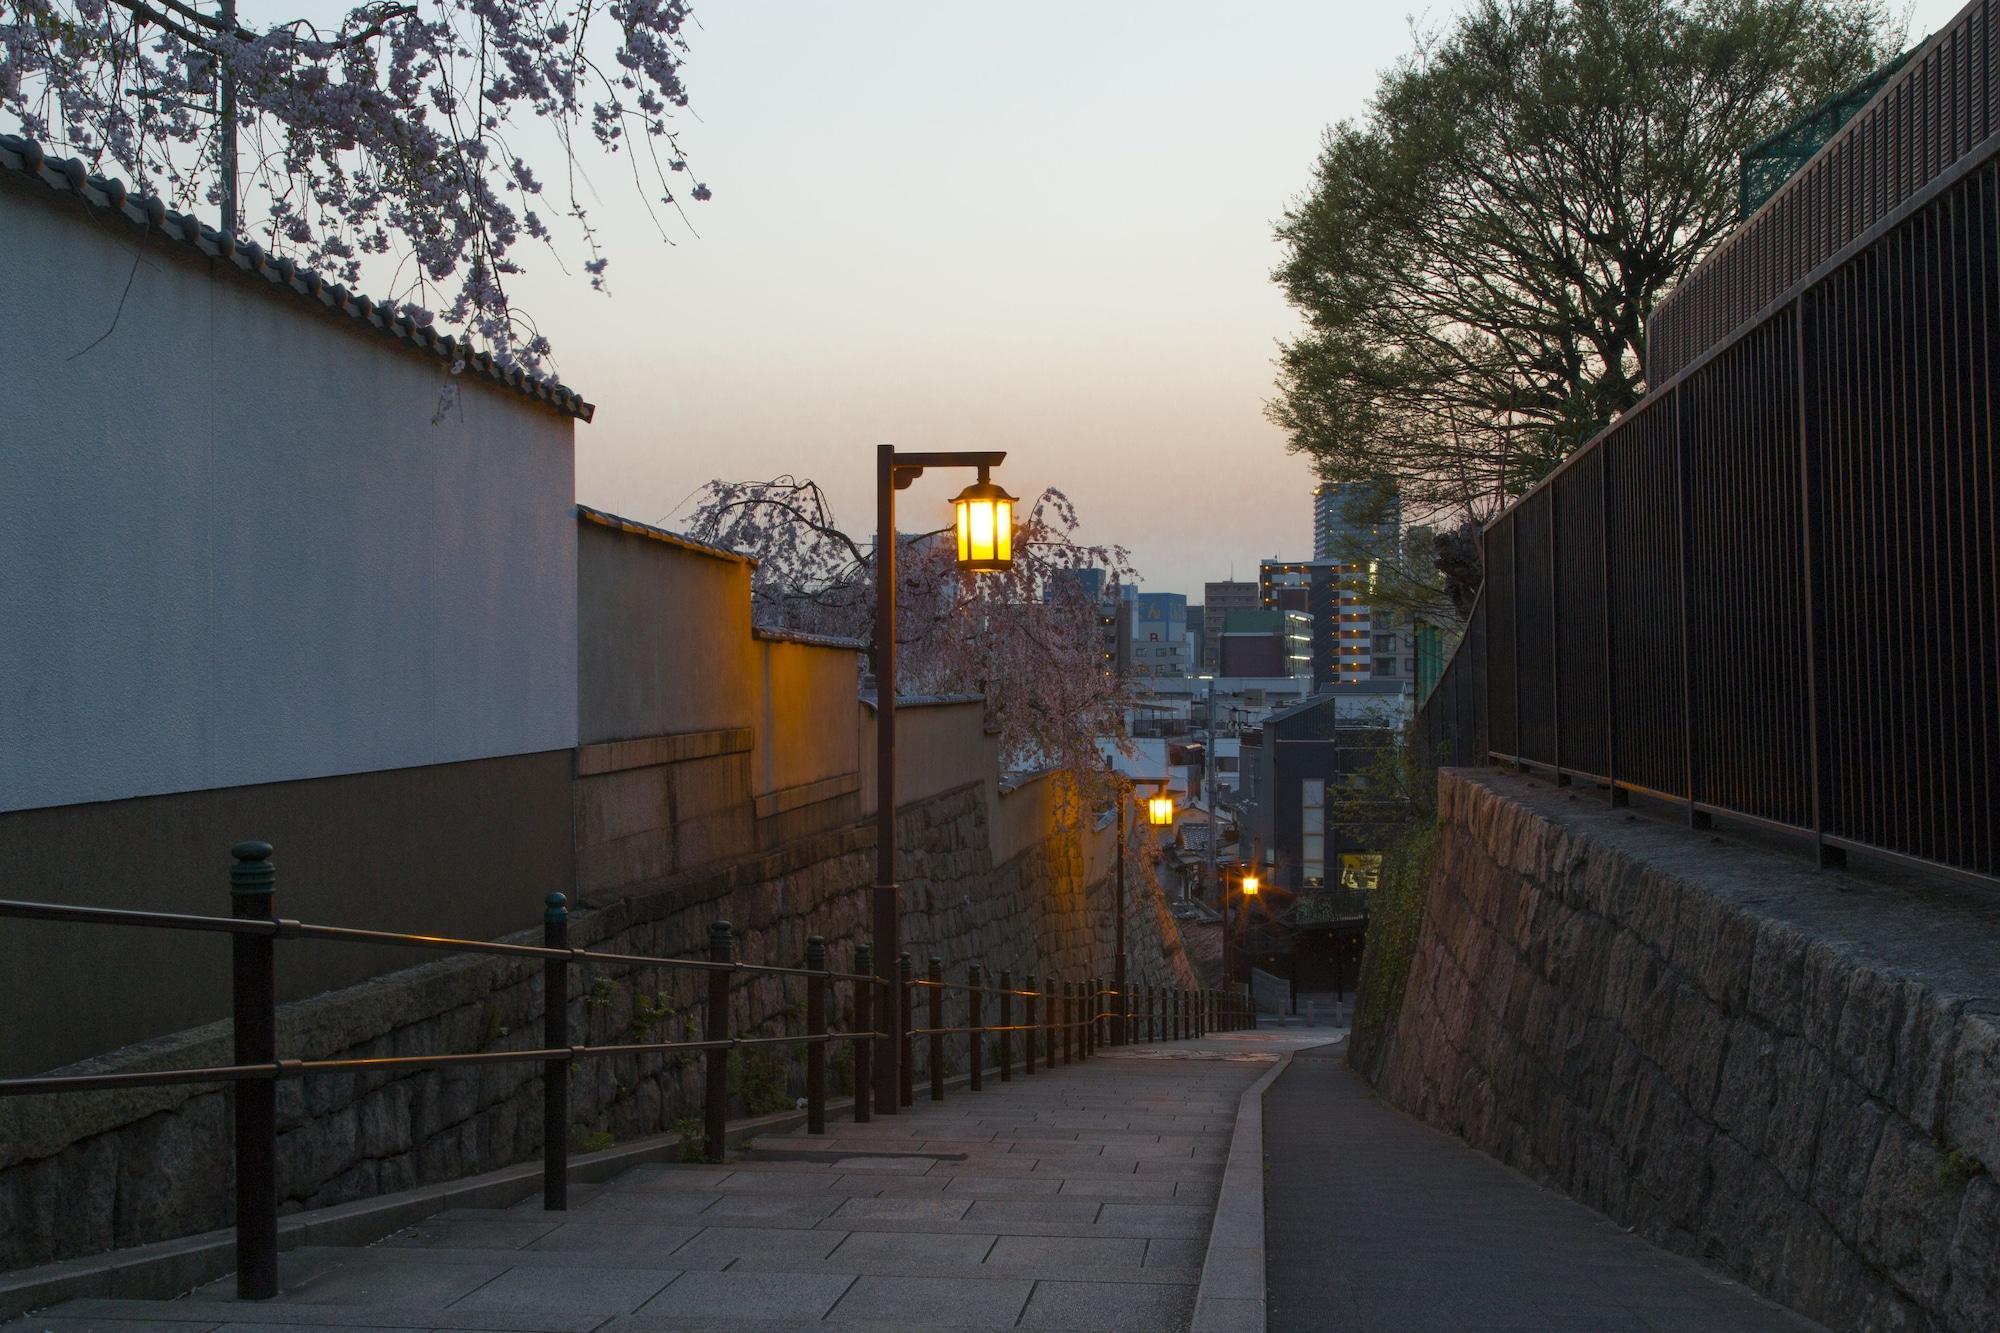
(1069, 1022)
(1697, 818)
(864, 1021)
(1051, 1012)
(1619, 796)
(816, 1035)
(1092, 1003)
(1817, 732)
(1030, 1034)
(974, 1008)
(1104, 1018)
(555, 1073)
(253, 963)
(1006, 1026)
(906, 1074)
(936, 1025)
(715, 1105)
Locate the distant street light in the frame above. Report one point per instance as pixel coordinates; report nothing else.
(985, 542)
(1159, 814)
(1249, 886)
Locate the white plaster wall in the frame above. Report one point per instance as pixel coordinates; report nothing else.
(235, 549)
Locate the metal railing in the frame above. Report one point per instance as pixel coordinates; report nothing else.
(1941, 104)
(1076, 1012)
(1772, 589)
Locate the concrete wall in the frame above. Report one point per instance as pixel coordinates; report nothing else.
(242, 544)
(1792, 1075)
(462, 849)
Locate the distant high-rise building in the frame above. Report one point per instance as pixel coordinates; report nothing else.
(1159, 634)
(1353, 520)
(1088, 581)
(1197, 627)
(1218, 600)
(1266, 643)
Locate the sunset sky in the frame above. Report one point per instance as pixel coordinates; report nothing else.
(1043, 227)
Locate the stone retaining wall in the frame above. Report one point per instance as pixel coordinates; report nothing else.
(86, 1173)
(1792, 1075)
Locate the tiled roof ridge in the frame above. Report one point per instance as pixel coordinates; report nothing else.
(69, 175)
(604, 518)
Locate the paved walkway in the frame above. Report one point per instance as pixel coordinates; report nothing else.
(1076, 1199)
(1376, 1222)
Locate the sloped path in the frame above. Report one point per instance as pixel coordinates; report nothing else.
(1377, 1223)
(1076, 1199)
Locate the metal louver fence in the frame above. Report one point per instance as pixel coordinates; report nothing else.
(1772, 590)
(1942, 104)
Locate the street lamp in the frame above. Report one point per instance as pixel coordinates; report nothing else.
(985, 522)
(1159, 814)
(985, 526)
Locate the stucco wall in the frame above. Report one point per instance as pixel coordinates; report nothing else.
(1792, 1075)
(242, 544)
(665, 635)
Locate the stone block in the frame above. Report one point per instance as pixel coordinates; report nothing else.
(1973, 1300)
(1909, 1212)
(1972, 1115)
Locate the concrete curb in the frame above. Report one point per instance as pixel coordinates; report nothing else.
(171, 1268)
(1231, 1297)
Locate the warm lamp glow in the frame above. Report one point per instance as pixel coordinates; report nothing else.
(1250, 886)
(985, 526)
(1160, 810)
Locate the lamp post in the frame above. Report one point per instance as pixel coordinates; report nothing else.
(1159, 814)
(985, 530)
(1248, 887)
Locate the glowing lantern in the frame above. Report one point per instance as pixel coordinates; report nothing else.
(985, 526)
(1160, 810)
(1250, 886)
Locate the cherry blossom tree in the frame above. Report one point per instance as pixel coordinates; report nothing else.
(399, 145)
(1032, 640)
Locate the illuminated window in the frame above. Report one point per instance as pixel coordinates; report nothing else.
(1360, 870)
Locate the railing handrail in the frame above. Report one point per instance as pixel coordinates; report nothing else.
(1075, 1009)
(1847, 174)
(286, 928)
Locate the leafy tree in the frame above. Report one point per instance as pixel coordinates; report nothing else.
(1477, 256)
(408, 131)
(1030, 639)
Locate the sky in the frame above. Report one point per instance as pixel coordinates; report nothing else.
(1042, 227)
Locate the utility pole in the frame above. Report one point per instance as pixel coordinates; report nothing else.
(226, 147)
(1215, 825)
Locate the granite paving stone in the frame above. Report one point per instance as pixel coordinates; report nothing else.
(747, 1295)
(1108, 1305)
(567, 1290)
